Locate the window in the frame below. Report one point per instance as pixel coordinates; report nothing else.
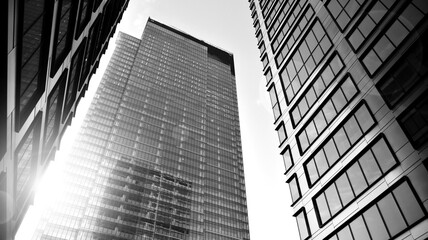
(386, 44)
(344, 11)
(282, 134)
(31, 55)
(265, 61)
(293, 183)
(26, 164)
(268, 75)
(283, 15)
(262, 48)
(85, 12)
(294, 34)
(73, 81)
(371, 164)
(274, 100)
(405, 74)
(359, 122)
(386, 217)
(309, 53)
(414, 121)
(287, 158)
(337, 101)
(64, 29)
(314, 91)
(90, 55)
(302, 224)
(375, 14)
(53, 112)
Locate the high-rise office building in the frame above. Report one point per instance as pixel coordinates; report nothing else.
(348, 85)
(159, 153)
(51, 49)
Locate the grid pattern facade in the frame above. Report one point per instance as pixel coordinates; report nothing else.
(348, 86)
(159, 153)
(41, 85)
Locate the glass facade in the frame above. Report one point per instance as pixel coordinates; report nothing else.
(159, 153)
(38, 43)
(347, 80)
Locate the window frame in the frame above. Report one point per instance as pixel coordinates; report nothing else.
(375, 41)
(374, 202)
(303, 211)
(289, 180)
(315, 79)
(321, 106)
(21, 114)
(287, 149)
(341, 173)
(60, 87)
(58, 61)
(330, 137)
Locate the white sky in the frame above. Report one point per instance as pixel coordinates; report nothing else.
(226, 24)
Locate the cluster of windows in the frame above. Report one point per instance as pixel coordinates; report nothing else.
(414, 121)
(376, 13)
(403, 25)
(344, 11)
(386, 217)
(287, 158)
(317, 87)
(409, 70)
(272, 13)
(281, 16)
(274, 100)
(337, 101)
(294, 33)
(344, 137)
(308, 54)
(32, 48)
(374, 162)
(53, 111)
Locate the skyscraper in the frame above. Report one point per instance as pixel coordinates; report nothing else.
(348, 85)
(50, 49)
(159, 153)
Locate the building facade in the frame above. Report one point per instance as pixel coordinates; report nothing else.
(51, 49)
(348, 85)
(159, 153)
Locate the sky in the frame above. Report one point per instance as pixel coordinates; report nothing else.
(226, 24)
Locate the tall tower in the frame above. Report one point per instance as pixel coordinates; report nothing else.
(50, 49)
(159, 153)
(348, 85)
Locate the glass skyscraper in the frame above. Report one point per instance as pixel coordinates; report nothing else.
(348, 85)
(159, 153)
